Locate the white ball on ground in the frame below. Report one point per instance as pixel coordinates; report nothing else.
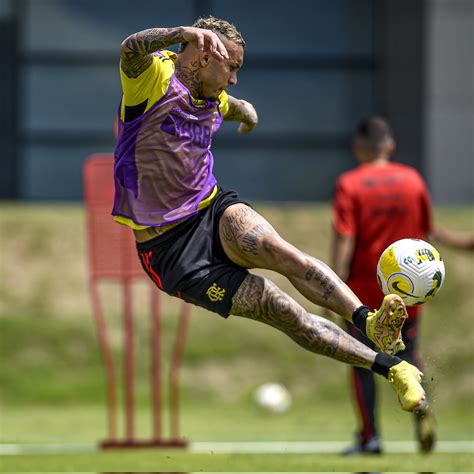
(273, 397)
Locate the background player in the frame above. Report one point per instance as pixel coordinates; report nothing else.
(197, 241)
(374, 205)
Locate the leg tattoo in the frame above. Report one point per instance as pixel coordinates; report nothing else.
(250, 241)
(261, 300)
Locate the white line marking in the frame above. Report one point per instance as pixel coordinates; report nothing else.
(334, 447)
(15, 449)
(246, 447)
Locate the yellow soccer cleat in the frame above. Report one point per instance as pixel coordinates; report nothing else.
(406, 381)
(384, 326)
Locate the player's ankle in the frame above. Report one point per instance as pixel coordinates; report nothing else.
(383, 363)
(359, 317)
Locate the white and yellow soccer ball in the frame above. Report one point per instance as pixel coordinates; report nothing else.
(412, 269)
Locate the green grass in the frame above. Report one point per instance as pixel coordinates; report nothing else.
(172, 460)
(312, 419)
(51, 375)
(223, 422)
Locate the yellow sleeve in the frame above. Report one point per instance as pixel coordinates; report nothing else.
(224, 103)
(150, 85)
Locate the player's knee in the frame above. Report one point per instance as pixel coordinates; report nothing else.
(275, 247)
(270, 245)
(283, 256)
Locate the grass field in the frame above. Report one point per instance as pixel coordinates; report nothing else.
(232, 422)
(170, 461)
(51, 378)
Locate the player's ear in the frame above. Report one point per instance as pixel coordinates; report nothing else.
(204, 58)
(391, 146)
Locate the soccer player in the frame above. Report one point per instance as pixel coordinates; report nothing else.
(197, 241)
(374, 205)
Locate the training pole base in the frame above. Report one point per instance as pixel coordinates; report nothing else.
(154, 443)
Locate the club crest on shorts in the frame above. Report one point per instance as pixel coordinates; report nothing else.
(215, 293)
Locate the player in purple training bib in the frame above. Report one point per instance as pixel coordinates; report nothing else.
(197, 241)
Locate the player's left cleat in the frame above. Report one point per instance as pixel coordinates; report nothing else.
(406, 380)
(425, 428)
(384, 326)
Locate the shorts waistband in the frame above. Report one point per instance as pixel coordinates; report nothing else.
(142, 235)
(168, 235)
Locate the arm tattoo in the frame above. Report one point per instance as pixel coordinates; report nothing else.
(237, 112)
(136, 49)
(260, 300)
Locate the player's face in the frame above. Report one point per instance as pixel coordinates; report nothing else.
(217, 75)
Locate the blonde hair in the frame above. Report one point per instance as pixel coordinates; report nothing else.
(221, 27)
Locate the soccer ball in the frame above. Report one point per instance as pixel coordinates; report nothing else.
(412, 269)
(273, 397)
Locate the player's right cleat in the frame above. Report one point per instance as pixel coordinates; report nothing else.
(406, 380)
(425, 428)
(384, 326)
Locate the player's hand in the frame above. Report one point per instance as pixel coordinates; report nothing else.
(205, 40)
(249, 117)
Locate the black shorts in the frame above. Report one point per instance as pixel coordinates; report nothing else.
(188, 260)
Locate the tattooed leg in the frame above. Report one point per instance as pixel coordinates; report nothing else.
(251, 242)
(259, 299)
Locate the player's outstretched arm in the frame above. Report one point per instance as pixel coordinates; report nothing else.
(243, 112)
(450, 238)
(342, 253)
(137, 48)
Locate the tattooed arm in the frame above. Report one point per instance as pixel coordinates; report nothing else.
(243, 112)
(136, 49)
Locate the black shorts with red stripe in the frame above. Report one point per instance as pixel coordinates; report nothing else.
(188, 260)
